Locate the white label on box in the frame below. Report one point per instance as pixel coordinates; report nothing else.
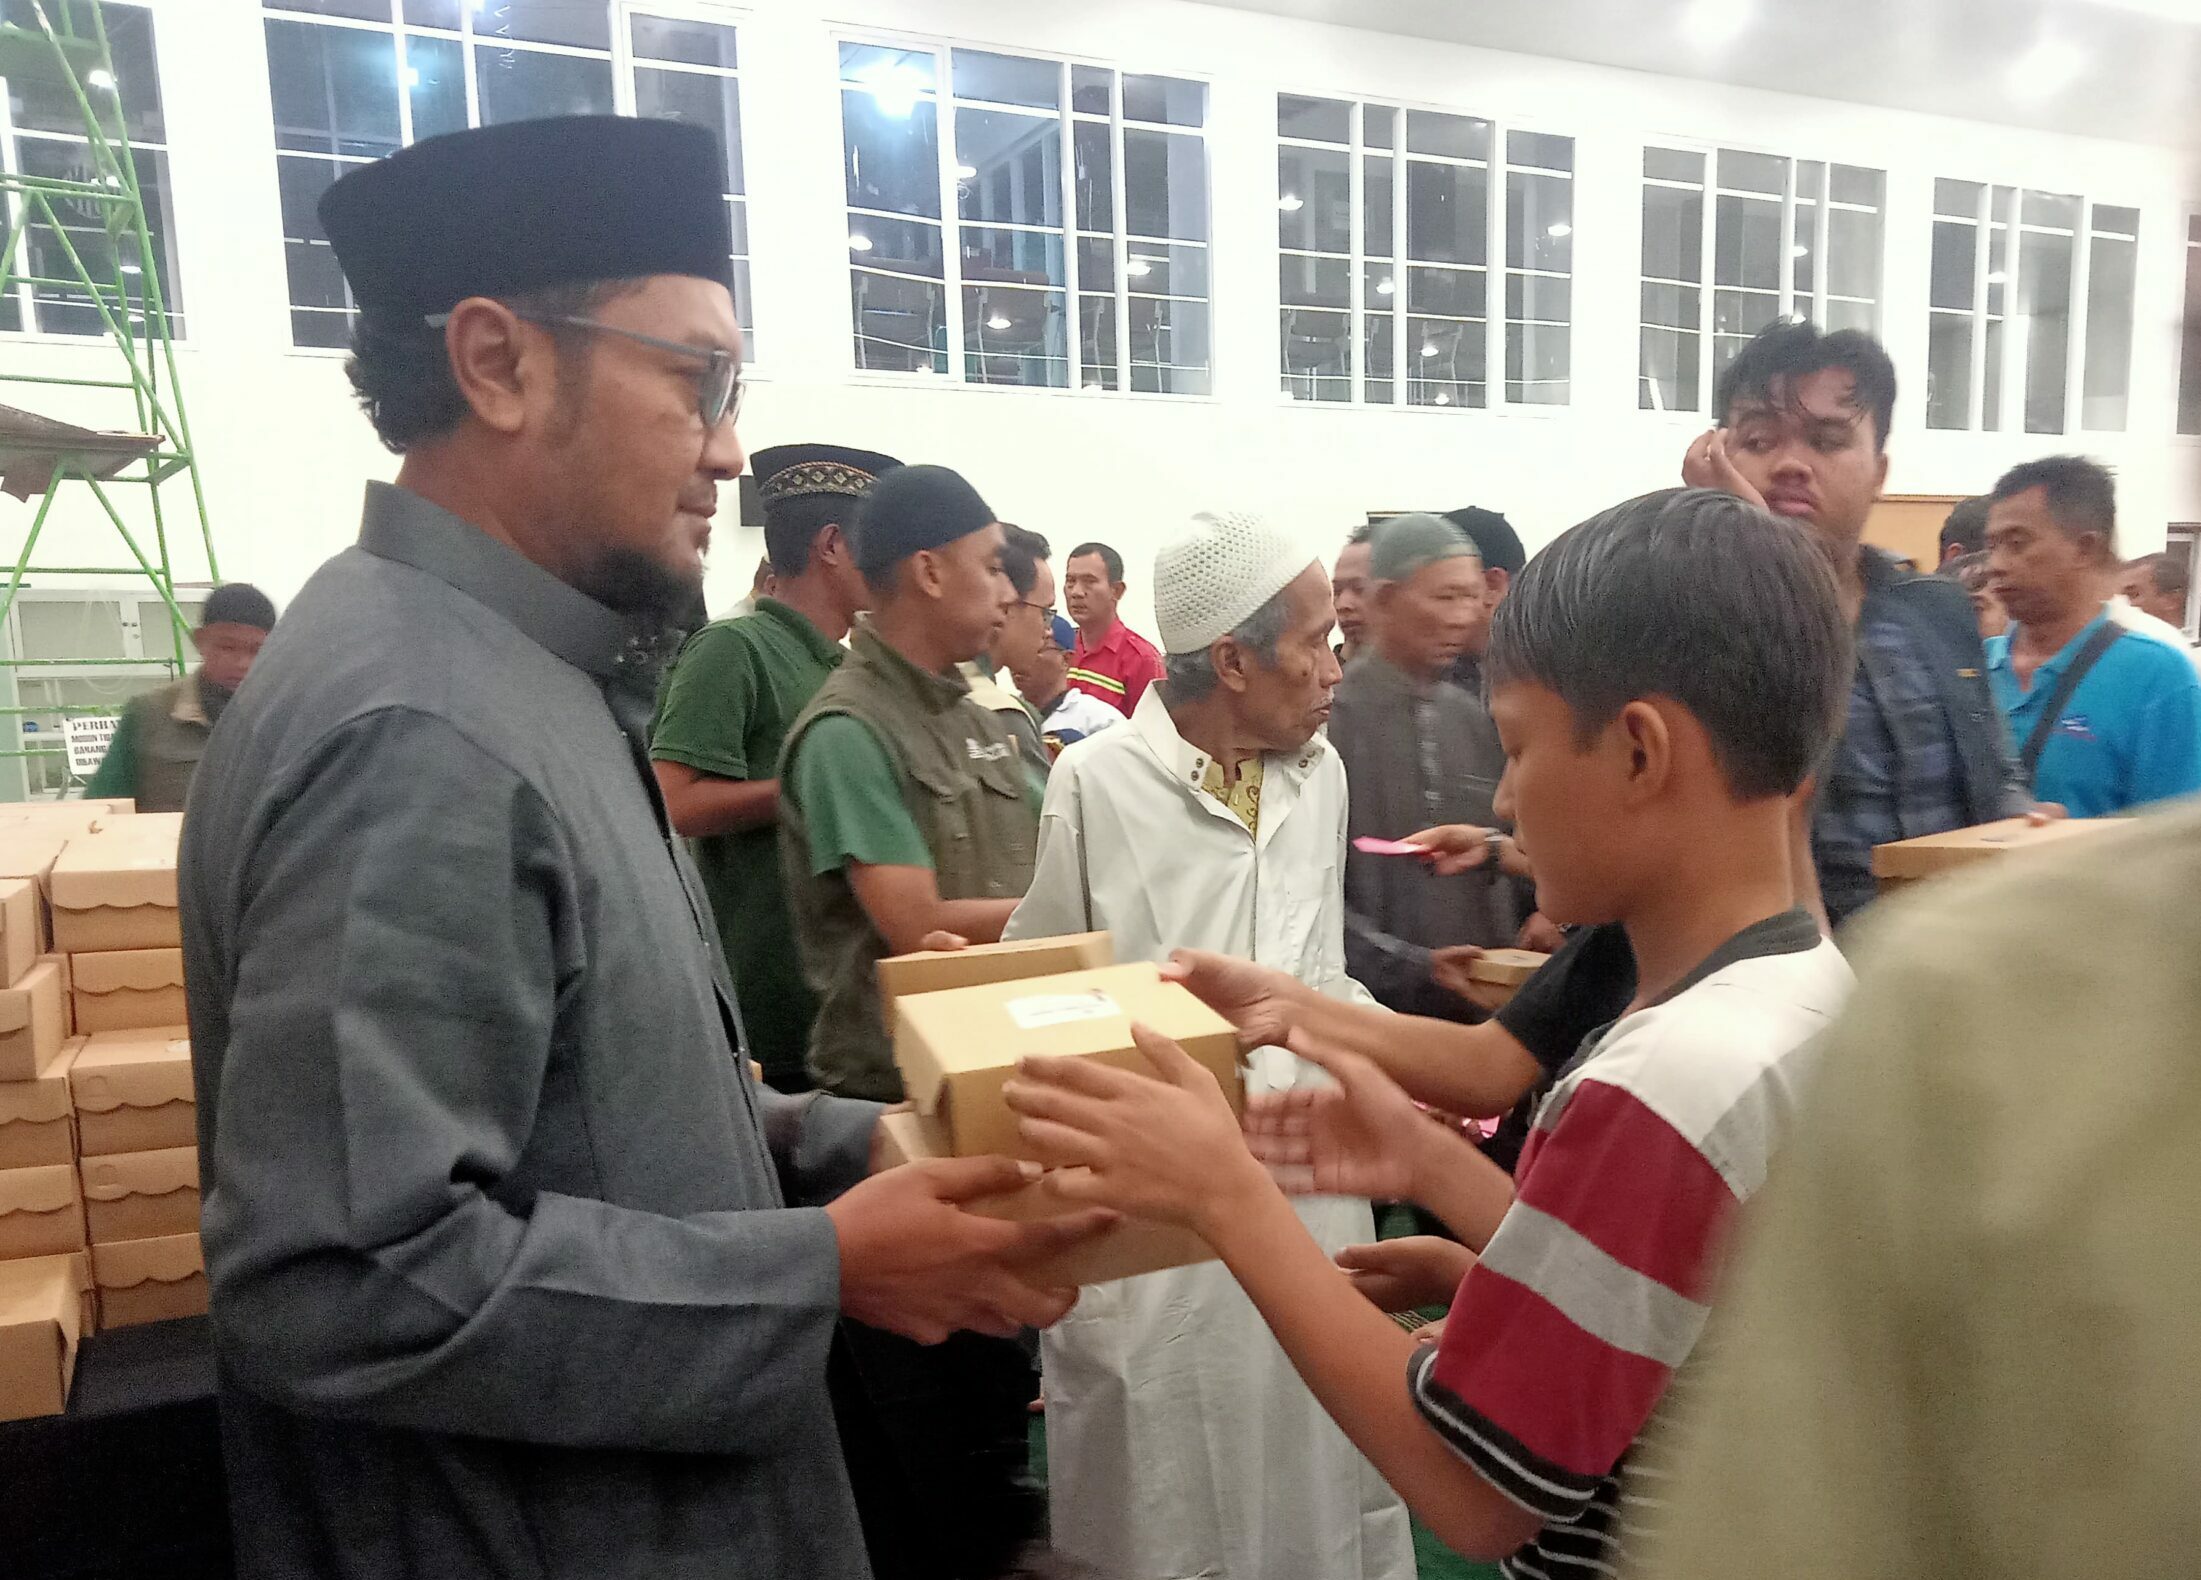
(88, 738)
(1060, 1009)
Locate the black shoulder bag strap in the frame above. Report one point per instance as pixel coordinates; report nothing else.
(2105, 635)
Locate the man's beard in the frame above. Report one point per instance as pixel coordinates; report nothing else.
(638, 587)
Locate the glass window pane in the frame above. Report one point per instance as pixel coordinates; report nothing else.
(1378, 219)
(891, 74)
(1444, 363)
(697, 43)
(1450, 293)
(545, 22)
(1156, 268)
(1012, 257)
(526, 85)
(1379, 126)
(1746, 245)
(1378, 286)
(1949, 370)
(1318, 120)
(1005, 79)
(1853, 253)
(1455, 136)
(1008, 167)
(435, 78)
(1863, 317)
(1540, 149)
(1991, 377)
(1316, 352)
(1539, 221)
(713, 103)
(1165, 185)
(1093, 177)
(1097, 367)
(2116, 221)
(893, 161)
(1313, 204)
(1447, 212)
(1537, 364)
(1673, 306)
(1169, 101)
(2051, 209)
(1092, 90)
(334, 89)
(737, 222)
(1741, 172)
(2044, 289)
(2108, 333)
(1313, 282)
(1673, 164)
(2189, 363)
(1014, 337)
(1744, 313)
(1852, 184)
(1803, 257)
(362, 10)
(432, 13)
(1169, 347)
(1379, 345)
(1673, 234)
(901, 324)
(899, 246)
(1957, 199)
(1545, 298)
(1096, 263)
(1954, 260)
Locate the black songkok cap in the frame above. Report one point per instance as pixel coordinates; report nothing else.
(915, 508)
(238, 603)
(803, 471)
(507, 209)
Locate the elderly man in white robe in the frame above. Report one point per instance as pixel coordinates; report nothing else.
(1180, 1442)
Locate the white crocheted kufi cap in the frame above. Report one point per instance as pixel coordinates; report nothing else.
(1221, 566)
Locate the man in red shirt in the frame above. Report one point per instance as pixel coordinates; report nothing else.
(1113, 662)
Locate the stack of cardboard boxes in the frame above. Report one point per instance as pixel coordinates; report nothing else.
(99, 1189)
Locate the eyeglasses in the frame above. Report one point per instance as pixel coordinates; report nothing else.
(718, 387)
(1046, 610)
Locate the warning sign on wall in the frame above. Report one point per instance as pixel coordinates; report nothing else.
(88, 737)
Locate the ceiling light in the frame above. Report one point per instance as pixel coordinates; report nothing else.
(1999, 277)
(1428, 348)
(965, 172)
(1559, 231)
(1137, 268)
(1710, 24)
(2044, 70)
(1385, 287)
(999, 321)
(412, 76)
(1444, 397)
(1799, 251)
(131, 268)
(858, 242)
(1291, 202)
(895, 88)
(1095, 384)
(100, 77)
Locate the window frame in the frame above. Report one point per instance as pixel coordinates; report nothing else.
(944, 102)
(1822, 203)
(622, 62)
(165, 236)
(2013, 373)
(1498, 167)
(2189, 327)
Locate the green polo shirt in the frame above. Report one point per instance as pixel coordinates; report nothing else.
(724, 710)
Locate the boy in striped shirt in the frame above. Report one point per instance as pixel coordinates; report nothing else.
(1665, 677)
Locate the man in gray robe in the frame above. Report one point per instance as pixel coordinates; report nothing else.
(516, 1271)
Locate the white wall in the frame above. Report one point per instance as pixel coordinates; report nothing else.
(284, 452)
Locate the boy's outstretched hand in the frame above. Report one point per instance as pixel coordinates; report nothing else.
(1163, 1146)
(1258, 1000)
(1357, 1138)
(1412, 1271)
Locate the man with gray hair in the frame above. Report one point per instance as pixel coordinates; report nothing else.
(1180, 1441)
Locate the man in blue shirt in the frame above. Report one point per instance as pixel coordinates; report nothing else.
(2107, 718)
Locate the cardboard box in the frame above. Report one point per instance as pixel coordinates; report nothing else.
(938, 970)
(149, 1280)
(22, 934)
(128, 990)
(42, 1317)
(68, 998)
(36, 1123)
(70, 816)
(29, 850)
(132, 1092)
(1910, 860)
(1133, 1247)
(40, 1213)
(114, 887)
(1506, 967)
(956, 1049)
(141, 1195)
(32, 1023)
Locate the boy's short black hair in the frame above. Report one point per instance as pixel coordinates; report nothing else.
(791, 528)
(1966, 526)
(1782, 354)
(1108, 556)
(1021, 551)
(1690, 594)
(2081, 494)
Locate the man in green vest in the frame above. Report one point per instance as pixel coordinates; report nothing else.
(905, 810)
(723, 715)
(157, 746)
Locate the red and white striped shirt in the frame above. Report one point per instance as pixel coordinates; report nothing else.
(1565, 1338)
